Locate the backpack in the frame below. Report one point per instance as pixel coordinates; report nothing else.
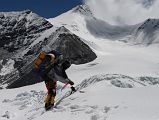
(39, 60)
(41, 63)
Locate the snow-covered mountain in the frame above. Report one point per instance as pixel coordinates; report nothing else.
(81, 21)
(147, 32)
(18, 29)
(147, 3)
(120, 84)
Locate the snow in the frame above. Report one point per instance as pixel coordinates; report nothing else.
(121, 84)
(99, 99)
(7, 68)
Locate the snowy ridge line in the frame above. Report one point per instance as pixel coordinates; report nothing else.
(119, 80)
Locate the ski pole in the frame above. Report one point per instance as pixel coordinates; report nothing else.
(64, 86)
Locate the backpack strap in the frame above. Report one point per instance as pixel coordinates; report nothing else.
(58, 56)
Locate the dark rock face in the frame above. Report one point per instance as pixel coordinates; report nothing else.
(24, 80)
(23, 35)
(72, 47)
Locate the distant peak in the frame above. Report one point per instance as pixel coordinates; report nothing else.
(63, 29)
(83, 9)
(151, 20)
(27, 11)
(18, 12)
(150, 23)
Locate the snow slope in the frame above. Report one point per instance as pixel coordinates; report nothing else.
(110, 97)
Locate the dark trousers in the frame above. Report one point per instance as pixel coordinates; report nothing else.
(50, 85)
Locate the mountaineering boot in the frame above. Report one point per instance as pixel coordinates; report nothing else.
(52, 100)
(49, 103)
(47, 100)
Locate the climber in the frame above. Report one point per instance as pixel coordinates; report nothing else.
(51, 67)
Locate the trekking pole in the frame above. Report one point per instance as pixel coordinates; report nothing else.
(72, 88)
(64, 86)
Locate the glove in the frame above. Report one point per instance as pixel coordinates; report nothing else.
(73, 89)
(71, 82)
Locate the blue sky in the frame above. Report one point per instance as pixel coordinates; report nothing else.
(44, 8)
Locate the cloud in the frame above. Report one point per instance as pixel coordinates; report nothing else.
(124, 11)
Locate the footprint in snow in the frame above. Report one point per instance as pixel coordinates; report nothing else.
(74, 107)
(6, 101)
(95, 117)
(8, 115)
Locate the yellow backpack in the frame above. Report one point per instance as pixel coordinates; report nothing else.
(39, 60)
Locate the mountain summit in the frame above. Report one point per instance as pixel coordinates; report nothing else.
(147, 32)
(83, 9)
